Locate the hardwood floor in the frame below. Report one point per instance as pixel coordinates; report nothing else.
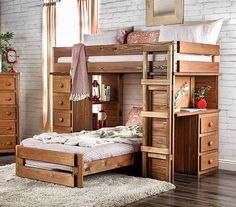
(216, 190)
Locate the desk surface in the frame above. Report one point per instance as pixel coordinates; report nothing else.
(186, 113)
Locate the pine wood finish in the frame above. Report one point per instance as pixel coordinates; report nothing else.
(9, 111)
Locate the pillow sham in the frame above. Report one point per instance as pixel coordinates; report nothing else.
(143, 37)
(134, 117)
(105, 38)
(201, 33)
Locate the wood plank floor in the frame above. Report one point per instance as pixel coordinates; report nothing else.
(216, 190)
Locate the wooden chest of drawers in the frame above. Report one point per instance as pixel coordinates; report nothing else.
(9, 111)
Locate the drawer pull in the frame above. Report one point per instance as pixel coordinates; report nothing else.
(211, 124)
(9, 143)
(8, 84)
(210, 143)
(61, 85)
(60, 102)
(210, 162)
(8, 113)
(8, 99)
(9, 128)
(61, 119)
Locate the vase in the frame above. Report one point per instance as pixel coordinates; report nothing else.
(201, 104)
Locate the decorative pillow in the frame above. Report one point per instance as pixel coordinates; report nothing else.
(105, 38)
(134, 117)
(143, 37)
(201, 33)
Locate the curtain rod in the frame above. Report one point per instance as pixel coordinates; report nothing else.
(51, 3)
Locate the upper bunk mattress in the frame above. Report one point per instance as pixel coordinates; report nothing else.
(132, 58)
(90, 153)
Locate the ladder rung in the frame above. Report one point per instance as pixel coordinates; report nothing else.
(155, 82)
(156, 150)
(152, 114)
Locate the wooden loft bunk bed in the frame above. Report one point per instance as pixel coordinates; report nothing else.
(185, 142)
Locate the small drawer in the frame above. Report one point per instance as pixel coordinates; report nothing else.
(7, 142)
(62, 84)
(8, 113)
(7, 83)
(209, 123)
(7, 98)
(209, 161)
(62, 119)
(7, 127)
(61, 101)
(60, 129)
(209, 143)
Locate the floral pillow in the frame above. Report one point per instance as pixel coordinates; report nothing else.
(143, 37)
(134, 117)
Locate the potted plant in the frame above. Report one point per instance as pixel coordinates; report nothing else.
(4, 46)
(200, 95)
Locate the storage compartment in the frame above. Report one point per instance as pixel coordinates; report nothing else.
(62, 119)
(7, 142)
(208, 161)
(8, 113)
(62, 84)
(7, 127)
(208, 143)
(7, 98)
(197, 67)
(61, 101)
(7, 83)
(209, 123)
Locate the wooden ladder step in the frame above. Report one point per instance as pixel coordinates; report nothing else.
(155, 82)
(152, 114)
(156, 150)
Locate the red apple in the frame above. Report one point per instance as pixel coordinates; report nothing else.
(201, 104)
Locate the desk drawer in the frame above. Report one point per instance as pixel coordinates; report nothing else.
(7, 83)
(7, 127)
(62, 84)
(7, 142)
(62, 119)
(209, 143)
(61, 101)
(208, 161)
(7, 98)
(209, 123)
(8, 113)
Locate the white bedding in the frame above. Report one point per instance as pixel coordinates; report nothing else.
(131, 58)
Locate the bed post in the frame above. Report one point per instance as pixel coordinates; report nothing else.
(80, 174)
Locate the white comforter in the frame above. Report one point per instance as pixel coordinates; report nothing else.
(119, 134)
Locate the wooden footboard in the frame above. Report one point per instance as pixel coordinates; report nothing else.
(73, 160)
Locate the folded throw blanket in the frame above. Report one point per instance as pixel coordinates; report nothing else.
(120, 134)
(80, 81)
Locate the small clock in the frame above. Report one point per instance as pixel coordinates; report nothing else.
(11, 56)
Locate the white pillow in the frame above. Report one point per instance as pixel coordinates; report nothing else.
(105, 38)
(201, 33)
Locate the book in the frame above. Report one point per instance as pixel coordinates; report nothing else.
(192, 109)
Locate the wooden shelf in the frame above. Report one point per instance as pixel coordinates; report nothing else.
(186, 113)
(103, 102)
(196, 74)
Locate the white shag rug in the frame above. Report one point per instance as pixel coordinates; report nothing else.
(100, 190)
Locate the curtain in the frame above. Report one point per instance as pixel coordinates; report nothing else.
(49, 41)
(87, 13)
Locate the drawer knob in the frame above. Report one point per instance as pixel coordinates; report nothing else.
(9, 128)
(9, 143)
(61, 85)
(8, 99)
(210, 143)
(60, 102)
(8, 113)
(8, 84)
(210, 162)
(61, 119)
(211, 124)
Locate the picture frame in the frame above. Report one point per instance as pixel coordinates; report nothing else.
(161, 12)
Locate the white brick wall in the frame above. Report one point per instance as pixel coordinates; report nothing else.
(122, 13)
(24, 17)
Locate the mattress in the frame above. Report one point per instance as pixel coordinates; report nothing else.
(90, 153)
(132, 58)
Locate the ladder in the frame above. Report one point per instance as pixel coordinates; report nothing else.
(158, 119)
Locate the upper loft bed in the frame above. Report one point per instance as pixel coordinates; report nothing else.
(186, 58)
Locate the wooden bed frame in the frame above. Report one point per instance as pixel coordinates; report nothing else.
(158, 111)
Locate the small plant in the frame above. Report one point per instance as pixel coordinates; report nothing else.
(201, 92)
(4, 45)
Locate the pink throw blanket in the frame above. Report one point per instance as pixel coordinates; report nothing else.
(80, 80)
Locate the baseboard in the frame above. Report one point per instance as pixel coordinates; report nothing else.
(227, 165)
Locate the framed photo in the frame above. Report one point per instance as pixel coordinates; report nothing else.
(160, 12)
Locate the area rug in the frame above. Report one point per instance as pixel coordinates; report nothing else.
(100, 190)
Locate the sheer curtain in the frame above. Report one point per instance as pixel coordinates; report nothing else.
(49, 41)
